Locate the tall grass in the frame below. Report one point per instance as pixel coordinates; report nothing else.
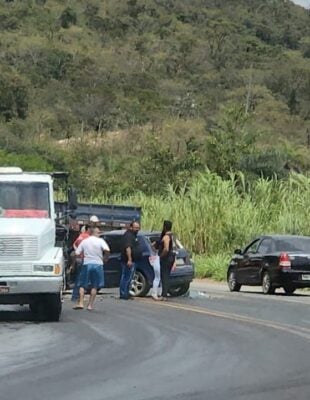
(214, 216)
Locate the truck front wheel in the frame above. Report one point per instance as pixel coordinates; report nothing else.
(47, 307)
(53, 306)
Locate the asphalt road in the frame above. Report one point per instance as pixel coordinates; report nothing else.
(212, 345)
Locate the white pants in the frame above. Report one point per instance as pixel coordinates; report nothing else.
(155, 262)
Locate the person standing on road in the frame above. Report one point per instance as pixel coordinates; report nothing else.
(130, 254)
(154, 260)
(167, 257)
(76, 267)
(73, 234)
(94, 221)
(95, 252)
(84, 234)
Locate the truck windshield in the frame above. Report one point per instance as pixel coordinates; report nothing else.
(24, 200)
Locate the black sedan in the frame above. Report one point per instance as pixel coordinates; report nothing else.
(271, 261)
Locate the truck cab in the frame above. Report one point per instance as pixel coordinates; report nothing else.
(31, 266)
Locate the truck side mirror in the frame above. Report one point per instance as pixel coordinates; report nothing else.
(72, 198)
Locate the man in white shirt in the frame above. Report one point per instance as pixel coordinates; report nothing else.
(95, 252)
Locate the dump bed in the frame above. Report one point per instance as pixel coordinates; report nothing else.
(110, 216)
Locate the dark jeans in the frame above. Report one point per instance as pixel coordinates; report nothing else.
(165, 269)
(76, 289)
(126, 278)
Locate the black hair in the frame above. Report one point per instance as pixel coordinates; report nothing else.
(167, 226)
(133, 222)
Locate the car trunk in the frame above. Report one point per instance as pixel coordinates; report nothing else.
(300, 262)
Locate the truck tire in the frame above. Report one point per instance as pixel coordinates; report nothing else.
(34, 307)
(53, 306)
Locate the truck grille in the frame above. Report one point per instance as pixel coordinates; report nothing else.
(16, 248)
(15, 269)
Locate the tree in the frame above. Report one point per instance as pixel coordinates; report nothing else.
(13, 97)
(68, 18)
(229, 141)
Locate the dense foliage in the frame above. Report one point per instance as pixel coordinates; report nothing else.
(134, 95)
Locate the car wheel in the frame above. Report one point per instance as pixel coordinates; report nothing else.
(267, 284)
(233, 285)
(179, 290)
(139, 285)
(289, 289)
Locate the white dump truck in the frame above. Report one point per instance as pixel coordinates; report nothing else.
(31, 266)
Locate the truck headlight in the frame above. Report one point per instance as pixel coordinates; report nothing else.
(43, 268)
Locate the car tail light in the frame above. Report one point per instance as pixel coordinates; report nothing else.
(285, 262)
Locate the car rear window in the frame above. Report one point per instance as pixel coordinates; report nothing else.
(293, 244)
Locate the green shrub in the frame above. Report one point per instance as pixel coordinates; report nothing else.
(214, 266)
(28, 162)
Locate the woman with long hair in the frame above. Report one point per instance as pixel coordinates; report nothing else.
(167, 257)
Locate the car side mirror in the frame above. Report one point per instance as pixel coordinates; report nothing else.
(238, 251)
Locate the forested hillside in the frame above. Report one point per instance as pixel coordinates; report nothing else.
(140, 94)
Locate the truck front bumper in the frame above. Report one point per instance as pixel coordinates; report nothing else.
(30, 285)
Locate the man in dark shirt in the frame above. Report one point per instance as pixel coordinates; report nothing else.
(130, 250)
(73, 234)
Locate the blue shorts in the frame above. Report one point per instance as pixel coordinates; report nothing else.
(92, 276)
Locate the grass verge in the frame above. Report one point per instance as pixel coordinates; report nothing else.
(214, 266)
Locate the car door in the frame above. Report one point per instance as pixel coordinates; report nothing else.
(265, 247)
(143, 264)
(245, 274)
(113, 269)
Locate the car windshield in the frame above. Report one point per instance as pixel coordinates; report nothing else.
(298, 244)
(24, 200)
